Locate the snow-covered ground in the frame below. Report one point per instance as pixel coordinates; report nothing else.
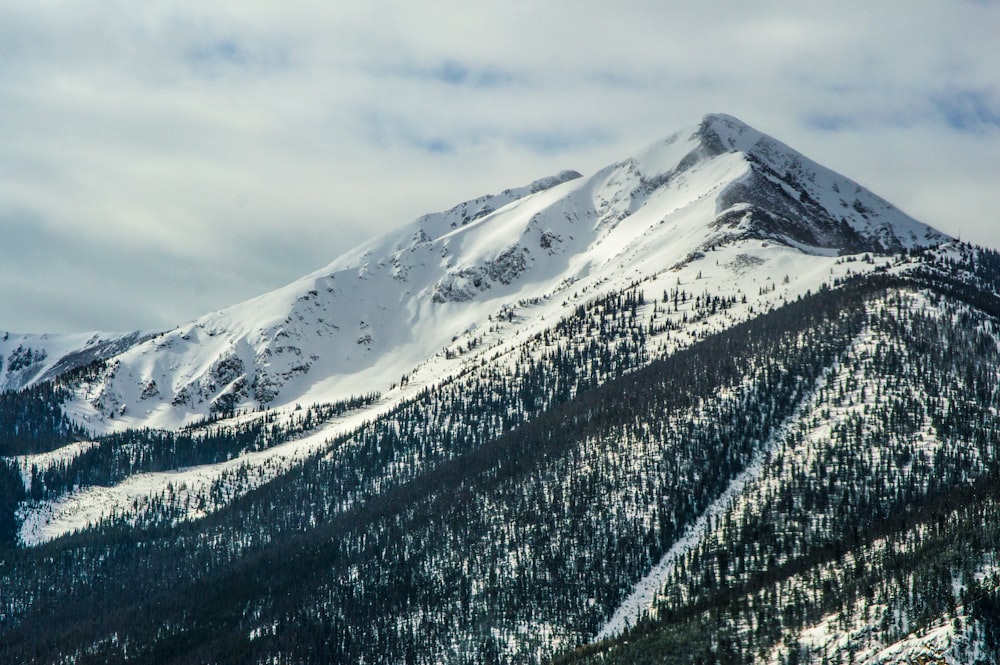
(42, 461)
(188, 487)
(949, 641)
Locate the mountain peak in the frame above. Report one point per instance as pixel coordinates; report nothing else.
(391, 304)
(768, 190)
(726, 131)
(716, 134)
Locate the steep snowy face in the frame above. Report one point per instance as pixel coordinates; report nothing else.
(30, 359)
(791, 199)
(376, 313)
(350, 328)
(435, 225)
(783, 196)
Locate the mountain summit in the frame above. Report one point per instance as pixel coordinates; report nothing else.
(781, 195)
(382, 310)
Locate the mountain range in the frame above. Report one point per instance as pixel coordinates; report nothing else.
(712, 403)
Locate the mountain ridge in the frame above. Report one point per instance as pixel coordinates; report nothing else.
(400, 334)
(396, 300)
(697, 407)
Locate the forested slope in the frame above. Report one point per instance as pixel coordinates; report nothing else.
(505, 515)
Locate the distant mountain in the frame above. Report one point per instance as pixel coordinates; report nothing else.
(711, 404)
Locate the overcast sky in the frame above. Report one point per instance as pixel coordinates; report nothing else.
(159, 160)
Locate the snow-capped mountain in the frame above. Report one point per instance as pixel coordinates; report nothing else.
(713, 403)
(382, 311)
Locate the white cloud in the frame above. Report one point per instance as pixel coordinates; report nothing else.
(165, 158)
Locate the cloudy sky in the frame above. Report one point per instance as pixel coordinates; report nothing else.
(159, 160)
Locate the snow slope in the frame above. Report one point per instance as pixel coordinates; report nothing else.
(719, 208)
(30, 359)
(380, 311)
